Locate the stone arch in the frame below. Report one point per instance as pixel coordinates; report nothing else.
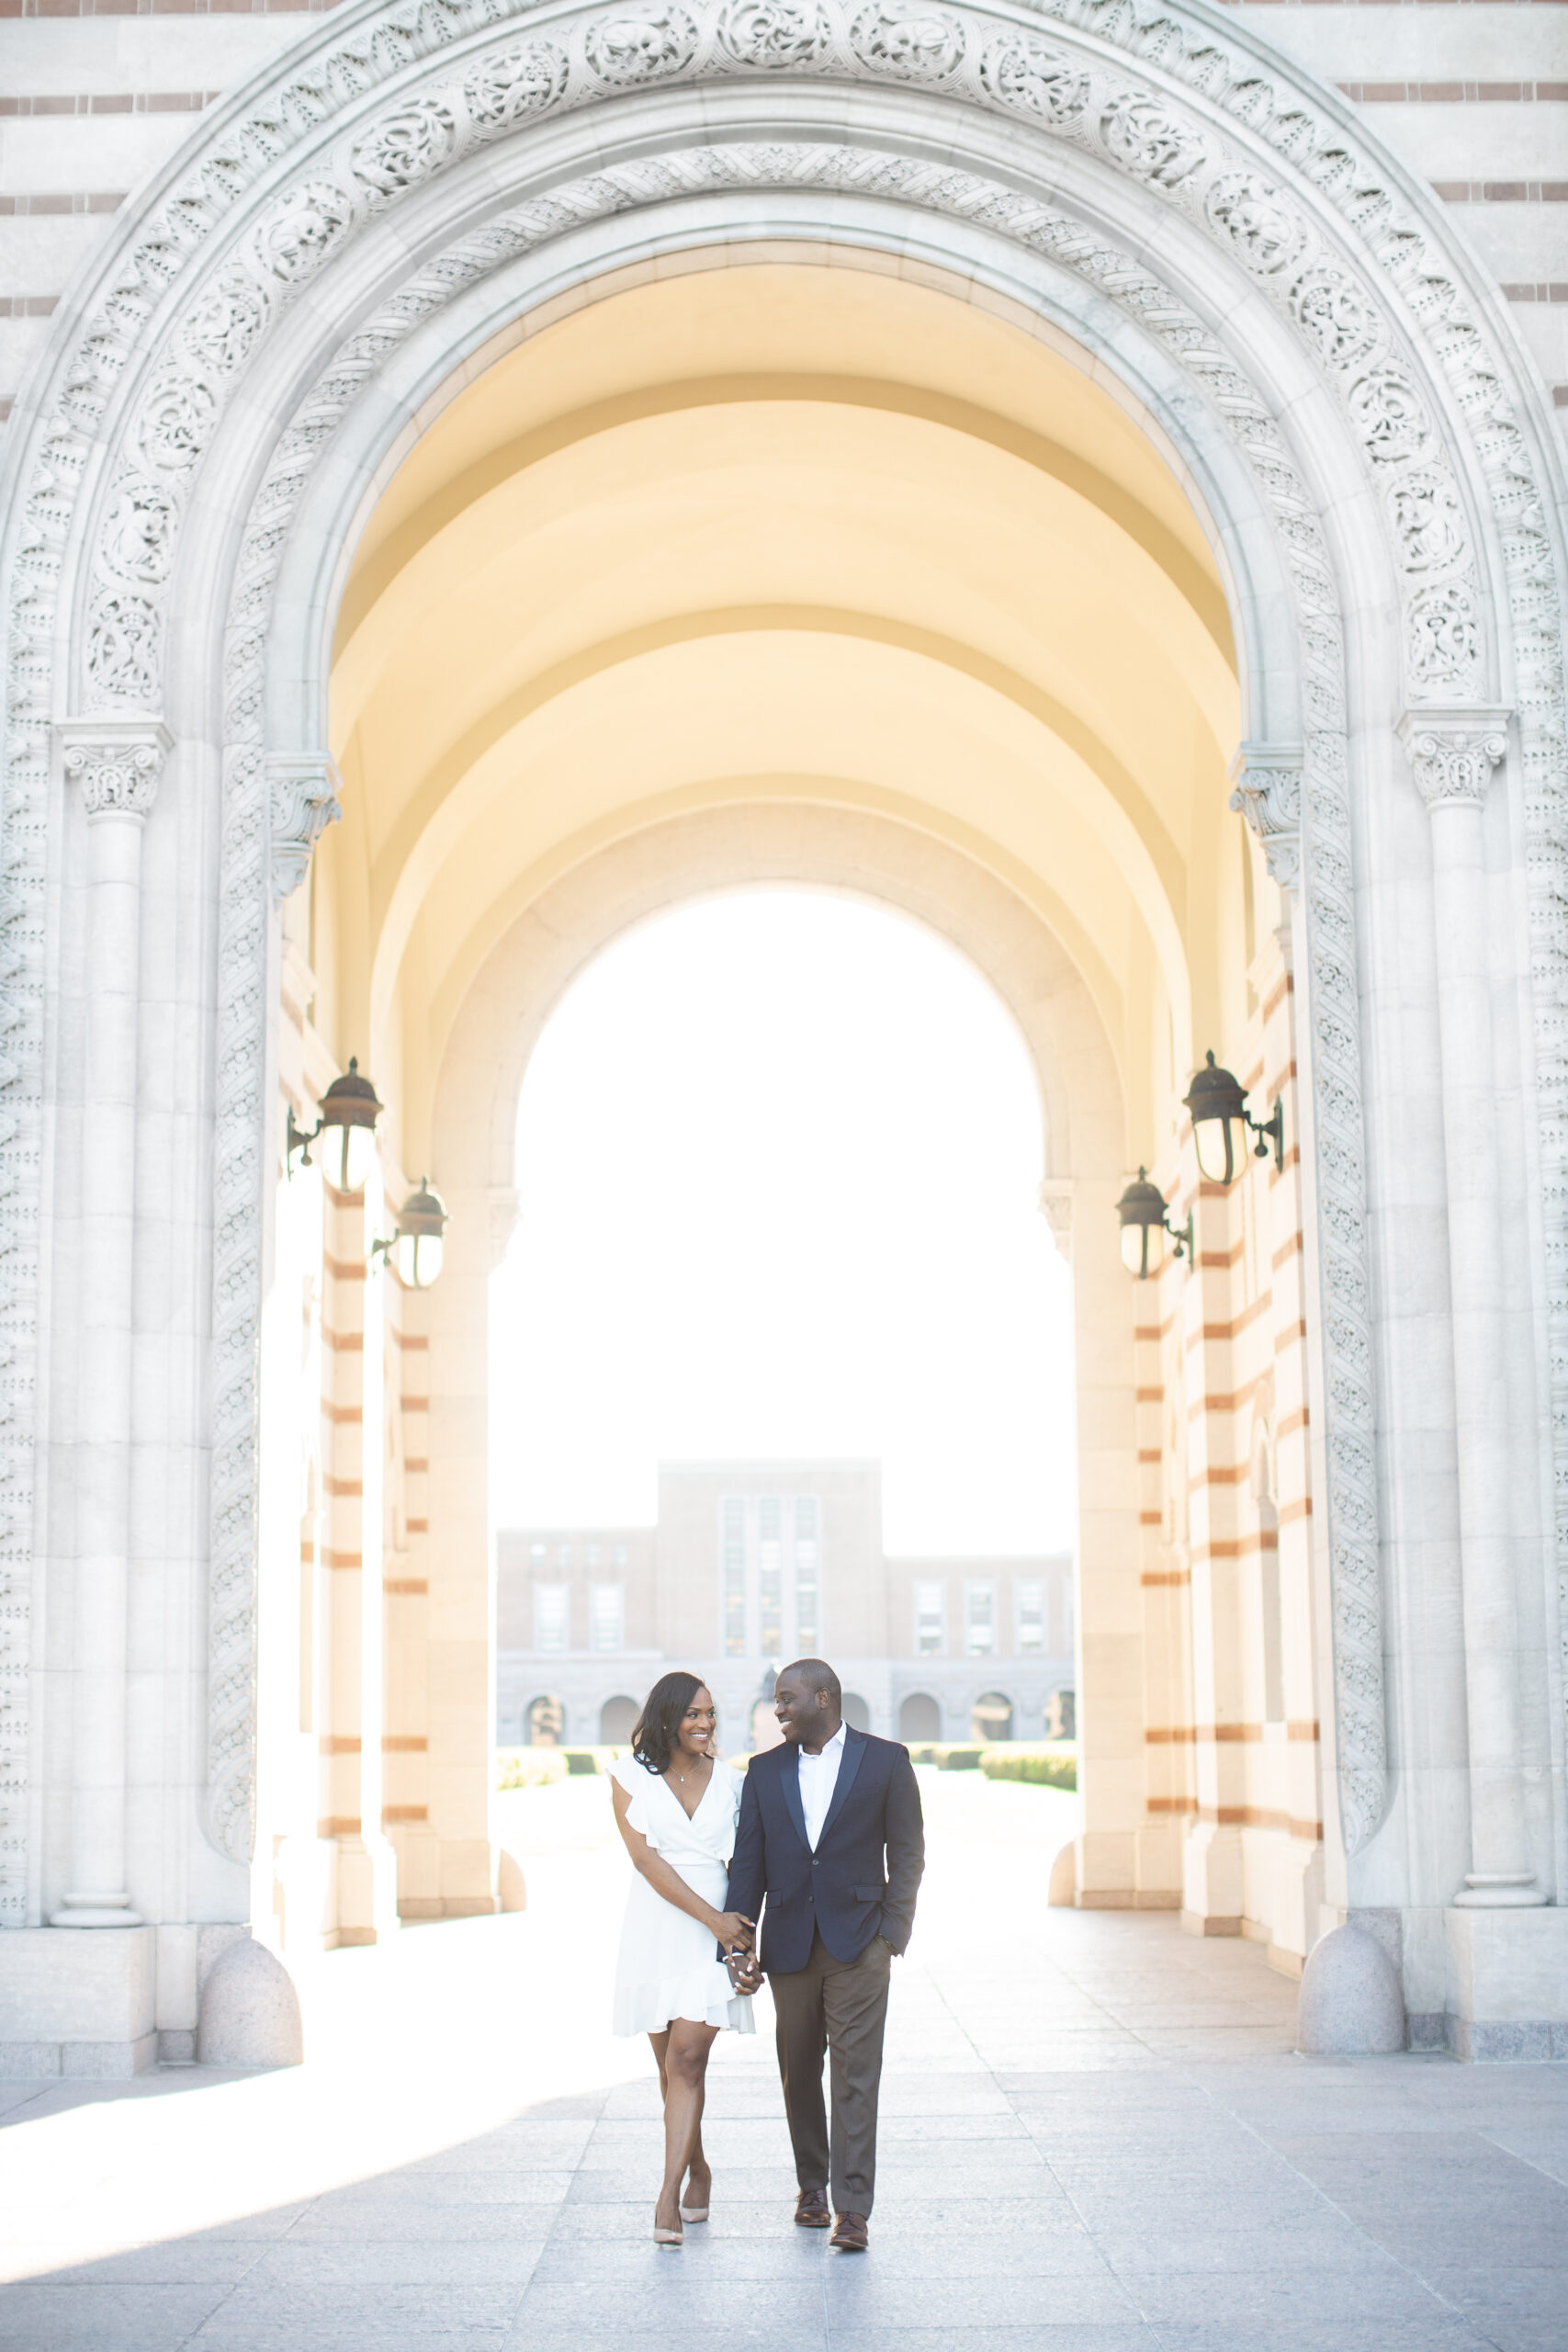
(1310, 296)
(920, 1718)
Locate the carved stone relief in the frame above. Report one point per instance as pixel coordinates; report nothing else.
(302, 800)
(1268, 780)
(1452, 753)
(118, 766)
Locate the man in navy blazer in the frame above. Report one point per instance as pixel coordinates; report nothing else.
(831, 1838)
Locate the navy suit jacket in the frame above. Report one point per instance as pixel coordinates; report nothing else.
(843, 1890)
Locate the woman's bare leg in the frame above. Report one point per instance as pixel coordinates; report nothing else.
(685, 2069)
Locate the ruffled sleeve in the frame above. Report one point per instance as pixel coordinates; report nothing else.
(639, 1785)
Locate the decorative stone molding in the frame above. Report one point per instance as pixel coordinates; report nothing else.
(1268, 780)
(1056, 1208)
(302, 798)
(117, 762)
(1453, 751)
(364, 112)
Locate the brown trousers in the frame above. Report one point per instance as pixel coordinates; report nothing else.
(841, 2008)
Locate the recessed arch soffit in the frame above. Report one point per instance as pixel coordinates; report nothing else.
(537, 955)
(779, 800)
(378, 109)
(501, 467)
(1138, 847)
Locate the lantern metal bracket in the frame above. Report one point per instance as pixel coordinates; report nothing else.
(1181, 1237)
(299, 1139)
(382, 1249)
(1270, 1130)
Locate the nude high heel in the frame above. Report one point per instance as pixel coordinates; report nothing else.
(694, 2212)
(667, 2237)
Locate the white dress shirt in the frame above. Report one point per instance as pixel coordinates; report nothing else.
(818, 1778)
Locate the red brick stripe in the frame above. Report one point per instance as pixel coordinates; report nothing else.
(103, 200)
(160, 8)
(1502, 191)
(116, 102)
(1452, 94)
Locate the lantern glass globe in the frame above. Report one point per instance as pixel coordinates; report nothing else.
(419, 1258)
(1143, 1249)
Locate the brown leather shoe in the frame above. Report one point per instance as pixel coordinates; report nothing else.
(850, 2234)
(811, 2210)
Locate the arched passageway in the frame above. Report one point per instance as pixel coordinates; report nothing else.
(780, 1350)
(1014, 717)
(1080, 494)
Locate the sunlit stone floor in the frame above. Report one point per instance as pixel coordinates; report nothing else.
(1095, 2139)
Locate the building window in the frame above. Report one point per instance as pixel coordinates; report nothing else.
(770, 1575)
(1029, 1603)
(550, 1616)
(732, 1569)
(980, 1620)
(590, 1556)
(563, 1557)
(618, 1557)
(606, 1616)
(931, 1619)
(536, 1553)
(807, 1576)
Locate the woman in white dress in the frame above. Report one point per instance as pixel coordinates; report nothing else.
(676, 1806)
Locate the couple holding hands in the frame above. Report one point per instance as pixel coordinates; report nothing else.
(821, 1840)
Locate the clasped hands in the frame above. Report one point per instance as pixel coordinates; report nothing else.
(738, 1936)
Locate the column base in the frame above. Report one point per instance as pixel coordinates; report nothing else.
(1517, 1890)
(96, 1911)
(81, 2006)
(1507, 1981)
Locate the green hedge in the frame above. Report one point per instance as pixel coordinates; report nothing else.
(540, 1768)
(528, 1768)
(1051, 1765)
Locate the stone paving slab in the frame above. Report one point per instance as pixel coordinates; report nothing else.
(1103, 2145)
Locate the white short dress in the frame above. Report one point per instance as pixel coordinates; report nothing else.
(667, 1967)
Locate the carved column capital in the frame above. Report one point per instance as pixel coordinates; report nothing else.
(1452, 751)
(504, 1204)
(302, 800)
(1056, 1208)
(118, 762)
(1268, 780)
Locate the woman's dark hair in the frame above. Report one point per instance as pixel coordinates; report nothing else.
(657, 1727)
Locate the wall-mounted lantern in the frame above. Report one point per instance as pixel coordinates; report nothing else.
(349, 1109)
(1217, 1103)
(417, 1248)
(1145, 1226)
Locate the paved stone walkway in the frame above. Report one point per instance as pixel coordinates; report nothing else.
(1095, 2139)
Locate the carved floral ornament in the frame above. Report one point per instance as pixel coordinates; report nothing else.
(118, 767)
(1267, 781)
(380, 102)
(1452, 753)
(302, 798)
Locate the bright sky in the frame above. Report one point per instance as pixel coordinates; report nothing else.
(779, 1155)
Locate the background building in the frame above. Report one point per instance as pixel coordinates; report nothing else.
(751, 1564)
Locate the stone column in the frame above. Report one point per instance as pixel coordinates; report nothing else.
(117, 765)
(1452, 753)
